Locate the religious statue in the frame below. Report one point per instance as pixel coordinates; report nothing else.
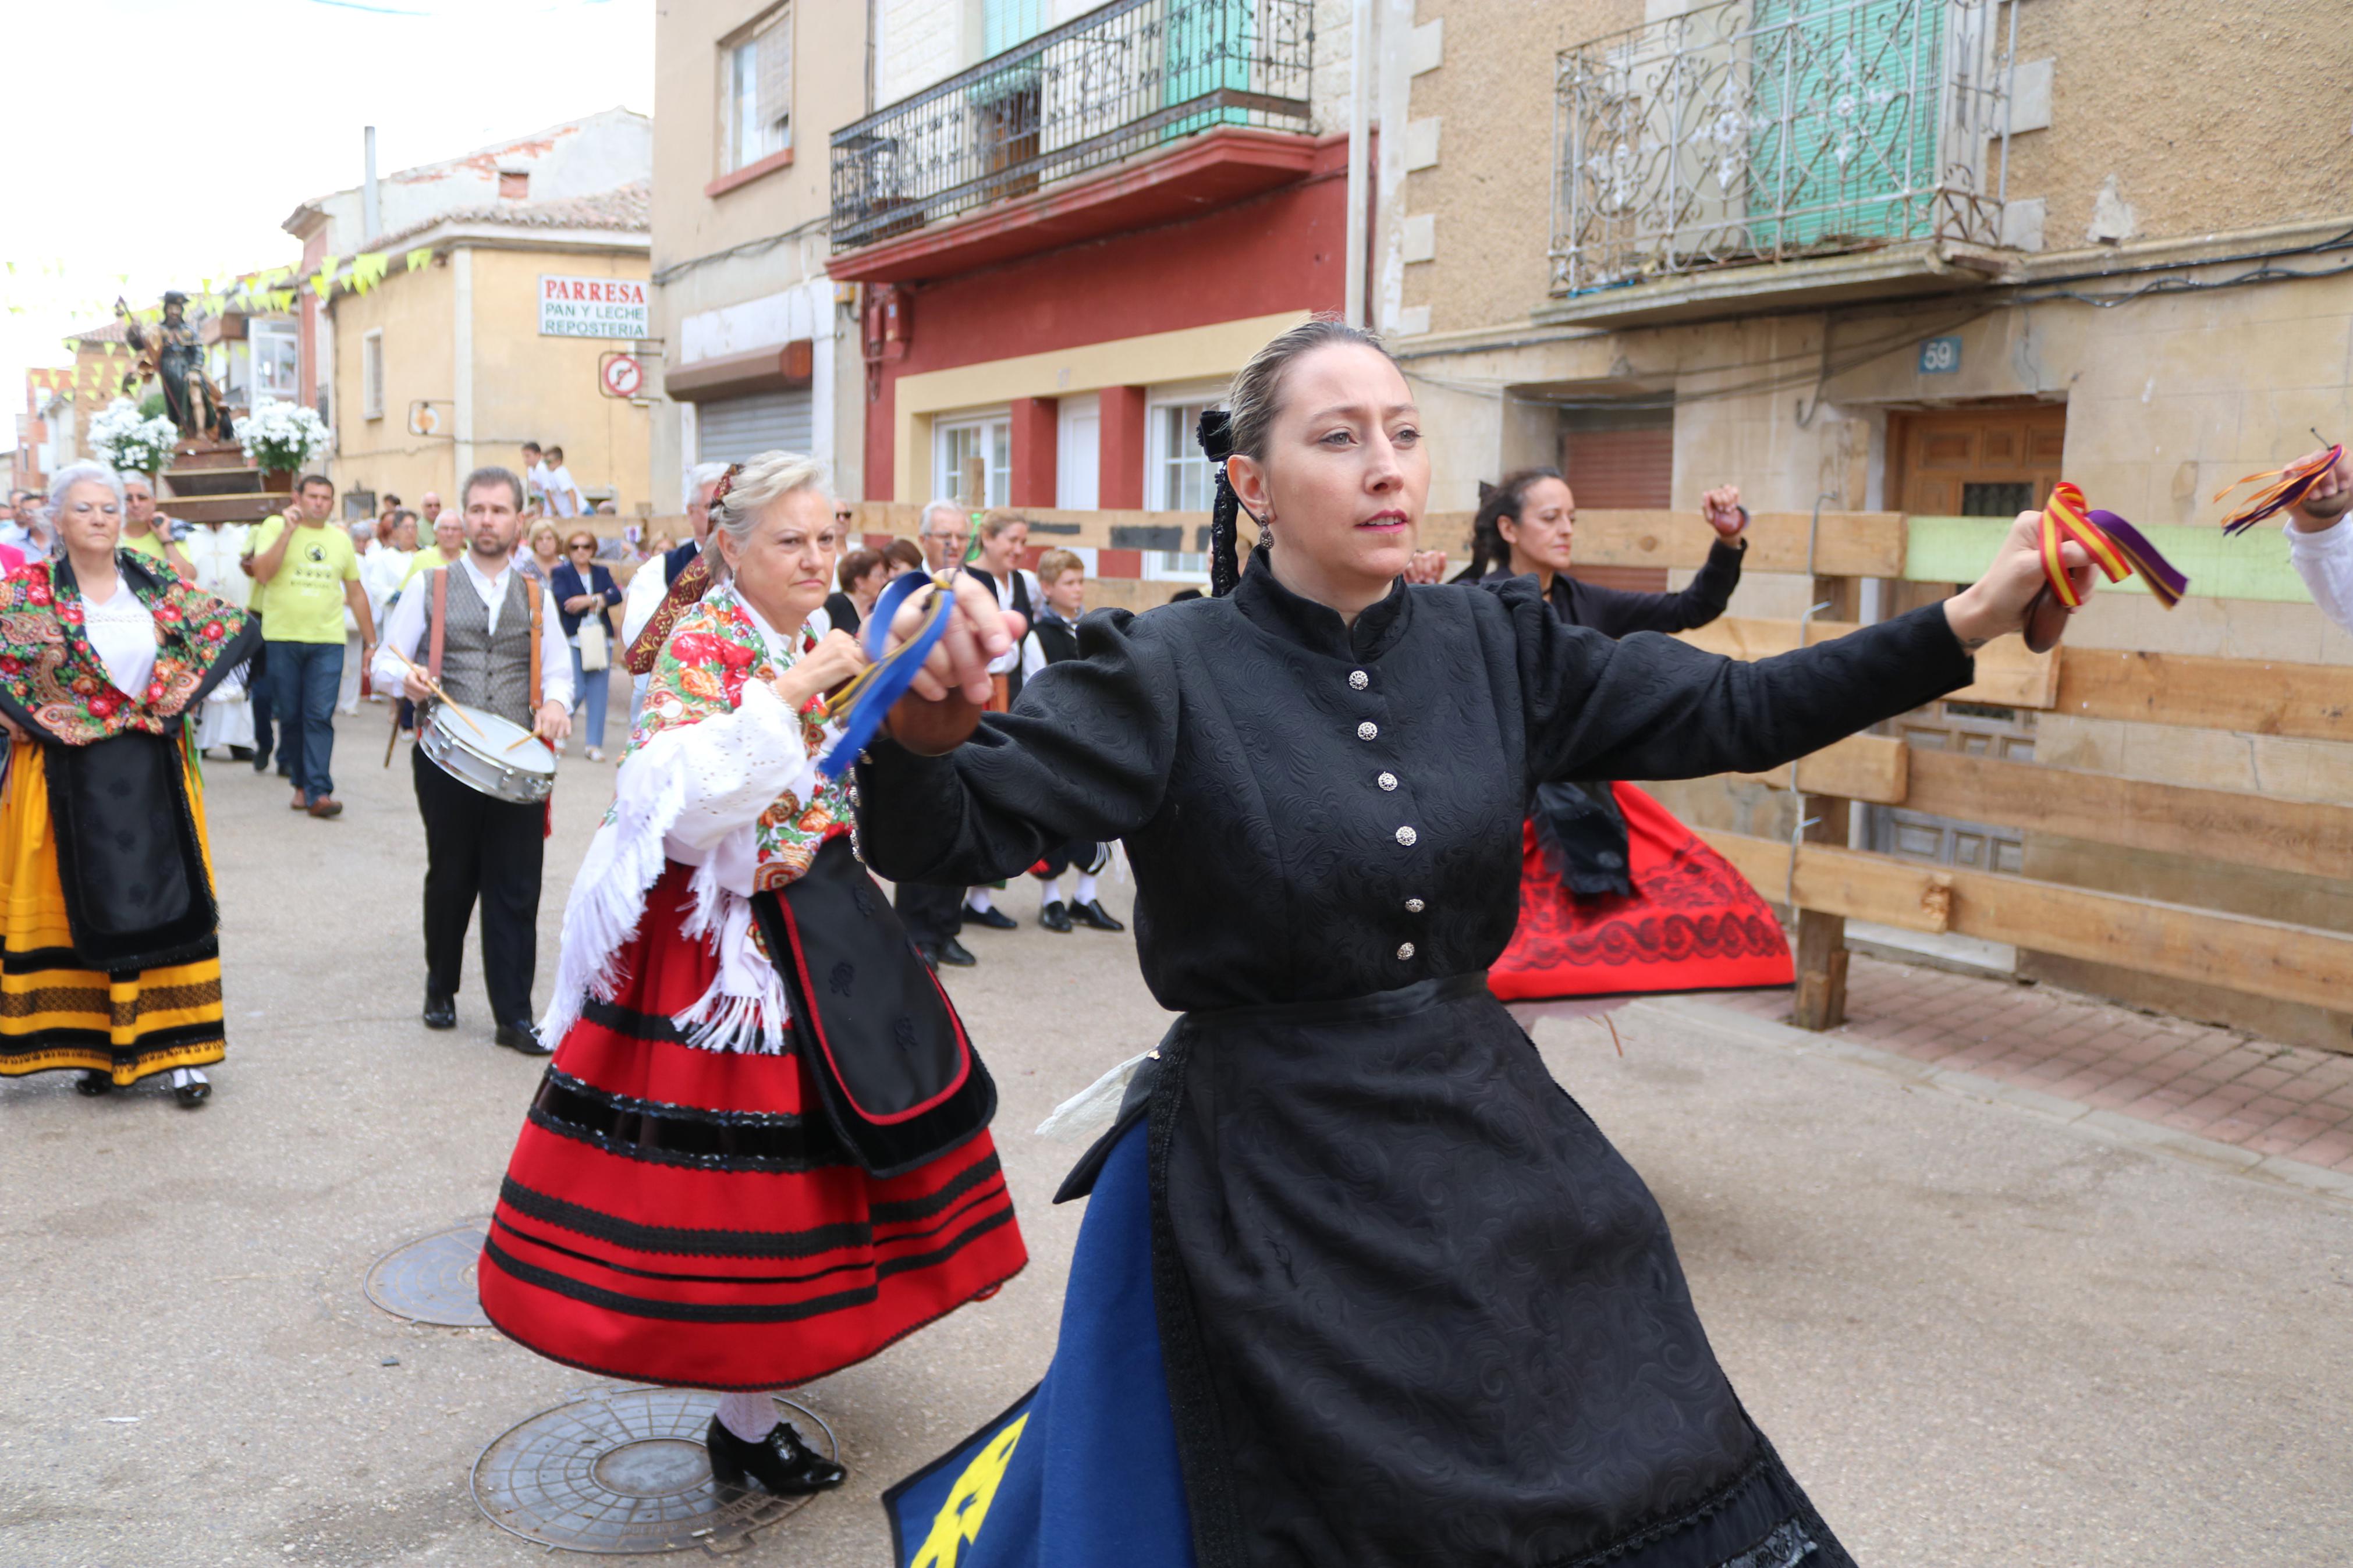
(172, 354)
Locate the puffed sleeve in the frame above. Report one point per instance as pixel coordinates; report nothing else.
(1085, 754)
(1648, 707)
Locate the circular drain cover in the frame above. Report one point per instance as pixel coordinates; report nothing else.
(626, 1471)
(432, 1280)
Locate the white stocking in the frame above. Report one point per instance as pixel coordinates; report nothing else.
(183, 1077)
(751, 1417)
(1084, 893)
(1049, 891)
(978, 901)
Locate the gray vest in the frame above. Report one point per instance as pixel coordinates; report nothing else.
(482, 670)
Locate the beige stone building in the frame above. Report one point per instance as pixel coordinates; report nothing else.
(1919, 255)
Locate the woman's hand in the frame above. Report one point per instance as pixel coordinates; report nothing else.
(1722, 509)
(1426, 566)
(835, 659)
(2319, 507)
(977, 633)
(1997, 603)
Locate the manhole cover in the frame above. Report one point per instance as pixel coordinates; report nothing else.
(433, 1280)
(626, 1472)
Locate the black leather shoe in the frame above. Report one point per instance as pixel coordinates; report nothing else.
(524, 1038)
(191, 1095)
(780, 1463)
(993, 917)
(261, 761)
(94, 1083)
(1093, 914)
(240, 753)
(954, 954)
(1055, 916)
(441, 1012)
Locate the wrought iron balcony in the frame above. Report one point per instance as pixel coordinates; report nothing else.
(1102, 87)
(1763, 131)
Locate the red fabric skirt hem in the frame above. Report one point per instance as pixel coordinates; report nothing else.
(670, 1215)
(1691, 922)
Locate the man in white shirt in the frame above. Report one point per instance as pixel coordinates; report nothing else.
(651, 585)
(2320, 541)
(564, 497)
(488, 633)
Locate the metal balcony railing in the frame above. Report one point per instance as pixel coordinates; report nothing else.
(1764, 130)
(1100, 88)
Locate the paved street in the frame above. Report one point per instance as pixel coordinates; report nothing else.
(1979, 1336)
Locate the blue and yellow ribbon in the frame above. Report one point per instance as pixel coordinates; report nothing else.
(860, 706)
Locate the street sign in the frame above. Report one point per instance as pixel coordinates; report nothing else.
(621, 375)
(1940, 356)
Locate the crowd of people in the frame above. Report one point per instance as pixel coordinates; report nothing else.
(760, 1152)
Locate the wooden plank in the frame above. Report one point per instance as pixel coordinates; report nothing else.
(1820, 952)
(1847, 883)
(2008, 674)
(2261, 696)
(1852, 543)
(2237, 827)
(2240, 952)
(1875, 768)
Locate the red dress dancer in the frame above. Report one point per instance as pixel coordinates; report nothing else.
(1617, 897)
(760, 1153)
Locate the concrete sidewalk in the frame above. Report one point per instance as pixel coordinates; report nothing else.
(1983, 1339)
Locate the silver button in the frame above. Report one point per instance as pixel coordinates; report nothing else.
(1359, 680)
(1387, 781)
(1368, 730)
(1415, 906)
(1406, 836)
(1405, 950)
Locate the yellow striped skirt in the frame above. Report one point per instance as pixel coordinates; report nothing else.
(57, 1013)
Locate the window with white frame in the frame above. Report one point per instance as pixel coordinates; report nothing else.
(277, 349)
(372, 375)
(755, 92)
(974, 443)
(1178, 475)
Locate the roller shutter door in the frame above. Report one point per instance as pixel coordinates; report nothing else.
(736, 429)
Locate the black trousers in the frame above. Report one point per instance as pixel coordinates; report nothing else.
(931, 915)
(477, 849)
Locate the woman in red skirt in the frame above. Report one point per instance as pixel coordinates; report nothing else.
(760, 1153)
(1617, 897)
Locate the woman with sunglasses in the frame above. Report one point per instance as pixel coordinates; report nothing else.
(585, 593)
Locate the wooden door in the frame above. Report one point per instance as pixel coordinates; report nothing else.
(1994, 461)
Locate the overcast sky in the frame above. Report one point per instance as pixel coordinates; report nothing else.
(168, 141)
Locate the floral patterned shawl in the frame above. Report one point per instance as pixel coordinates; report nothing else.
(53, 681)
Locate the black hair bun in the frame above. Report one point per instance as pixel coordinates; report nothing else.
(1215, 434)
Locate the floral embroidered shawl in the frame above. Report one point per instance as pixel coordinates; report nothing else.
(714, 651)
(52, 677)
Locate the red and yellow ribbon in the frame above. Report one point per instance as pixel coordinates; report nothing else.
(2116, 547)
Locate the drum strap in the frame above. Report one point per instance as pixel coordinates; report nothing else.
(532, 589)
(441, 630)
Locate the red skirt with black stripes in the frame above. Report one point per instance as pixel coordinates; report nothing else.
(687, 1216)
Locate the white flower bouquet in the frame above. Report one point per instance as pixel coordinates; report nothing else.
(129, 442)
(281, 436)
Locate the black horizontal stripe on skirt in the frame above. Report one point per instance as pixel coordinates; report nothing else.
(722, 1312)
(169, 1039)
(688, 1241)
(653, 1027)
(38, 959)
(664, 1135)
(858, 1266)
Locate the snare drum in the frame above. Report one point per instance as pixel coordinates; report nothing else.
(486, 752)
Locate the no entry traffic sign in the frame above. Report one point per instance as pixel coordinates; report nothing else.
(622, 375)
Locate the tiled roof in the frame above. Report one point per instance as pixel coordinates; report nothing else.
(627, 207)
(111, 332)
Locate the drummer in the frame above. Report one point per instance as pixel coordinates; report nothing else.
(480, 634)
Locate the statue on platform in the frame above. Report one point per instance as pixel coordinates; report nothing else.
(171, 352)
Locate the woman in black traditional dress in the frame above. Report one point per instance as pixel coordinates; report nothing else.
(1617, 897)
(1356, 1269)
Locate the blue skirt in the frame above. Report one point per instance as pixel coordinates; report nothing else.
(1083, 1470)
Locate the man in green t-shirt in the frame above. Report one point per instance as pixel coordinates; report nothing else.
(145, 532)
(307, 572)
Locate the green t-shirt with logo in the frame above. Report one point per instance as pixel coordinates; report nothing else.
(304, 601)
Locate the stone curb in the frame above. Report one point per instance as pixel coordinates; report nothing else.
(2107, 1125)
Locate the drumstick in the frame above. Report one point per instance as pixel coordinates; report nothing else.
(435, 687)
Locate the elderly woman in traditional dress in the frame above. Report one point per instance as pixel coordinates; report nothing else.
(110, 962)
(760, 1153)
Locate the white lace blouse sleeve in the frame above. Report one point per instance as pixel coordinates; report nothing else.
(721, 773)
(2325, 562)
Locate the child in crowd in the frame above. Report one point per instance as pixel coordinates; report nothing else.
(1062, 588)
